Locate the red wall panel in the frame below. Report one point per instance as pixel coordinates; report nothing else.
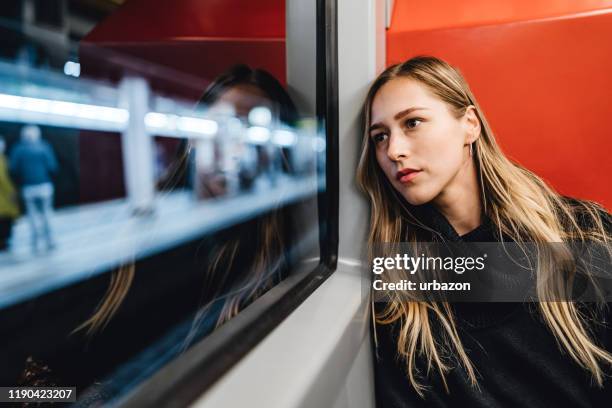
(150, 20)
(195, 38)
(543, 84)
(409, 15)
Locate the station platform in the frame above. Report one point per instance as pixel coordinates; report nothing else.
(95, 238)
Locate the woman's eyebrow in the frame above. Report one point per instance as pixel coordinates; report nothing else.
(403, 113)
(397, 116)
(376, 126)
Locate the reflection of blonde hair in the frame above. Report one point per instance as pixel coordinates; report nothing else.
(269, 258)
(520, 206)
(235, 278)
(120, 283)
(265, 269)
(262, 272)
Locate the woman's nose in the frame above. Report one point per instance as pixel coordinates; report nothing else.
(398, 147)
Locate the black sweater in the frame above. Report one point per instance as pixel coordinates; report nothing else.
(517, 359)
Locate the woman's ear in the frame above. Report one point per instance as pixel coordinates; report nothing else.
(472, 124)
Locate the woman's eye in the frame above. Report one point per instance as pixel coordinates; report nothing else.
(379, 137)
(412, 123)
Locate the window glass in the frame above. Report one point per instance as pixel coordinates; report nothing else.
(154, 182)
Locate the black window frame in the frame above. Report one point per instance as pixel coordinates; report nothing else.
(188, 376)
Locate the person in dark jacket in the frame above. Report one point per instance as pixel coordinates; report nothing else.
(33, 163)
(434, 173)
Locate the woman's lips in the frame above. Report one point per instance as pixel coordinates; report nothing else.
(406, 175)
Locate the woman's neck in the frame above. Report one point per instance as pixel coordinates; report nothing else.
(460, 201)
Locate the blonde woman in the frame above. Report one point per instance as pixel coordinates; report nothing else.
(434, 172)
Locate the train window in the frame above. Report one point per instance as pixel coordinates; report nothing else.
(165, 193)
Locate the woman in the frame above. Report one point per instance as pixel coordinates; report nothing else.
(434, 172)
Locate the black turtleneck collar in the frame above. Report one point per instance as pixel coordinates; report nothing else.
(434, 219)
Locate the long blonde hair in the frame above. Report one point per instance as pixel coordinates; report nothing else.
(519, 204)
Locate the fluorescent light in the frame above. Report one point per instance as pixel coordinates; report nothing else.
(72, 68)
(157, 120)
(9, 101)
(112, 114)
(36, 105)
(258, 134)
(260, 116)
(52, 107)
(87, 112)
(206, 127)
(284, 137)
(24, 109)
(64, 108)
(176, 126)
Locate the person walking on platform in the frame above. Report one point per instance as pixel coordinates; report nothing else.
(32, 162)
(9, 209)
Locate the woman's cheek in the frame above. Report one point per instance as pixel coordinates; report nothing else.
(385, 165)
(443, 159)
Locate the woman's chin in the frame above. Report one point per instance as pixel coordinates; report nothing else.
(416, 199)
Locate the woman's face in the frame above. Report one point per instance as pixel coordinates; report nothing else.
(420, 144)
(240, 100)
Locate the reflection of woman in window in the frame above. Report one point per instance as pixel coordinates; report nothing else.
(235, 93)
(434, 172)
(246, 260)
(255, 257)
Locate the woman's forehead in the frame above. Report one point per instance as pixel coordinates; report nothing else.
(400, 94)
